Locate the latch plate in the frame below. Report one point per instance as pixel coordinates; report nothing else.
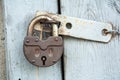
(81, 28)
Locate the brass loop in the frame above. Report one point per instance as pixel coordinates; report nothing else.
(34, 21)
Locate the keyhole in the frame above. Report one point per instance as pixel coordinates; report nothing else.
(43, 58)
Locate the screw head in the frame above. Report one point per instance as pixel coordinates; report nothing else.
(33, 61)
(54, 61)
(27, 40)
(56, 39)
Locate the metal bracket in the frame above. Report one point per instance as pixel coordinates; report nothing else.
(80, 28)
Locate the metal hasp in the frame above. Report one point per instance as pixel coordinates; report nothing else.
(44, 47)
(81, 28)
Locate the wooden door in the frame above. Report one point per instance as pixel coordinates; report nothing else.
(87, 60)
(82, 59)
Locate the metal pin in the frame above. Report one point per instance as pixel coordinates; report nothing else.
(113, 32)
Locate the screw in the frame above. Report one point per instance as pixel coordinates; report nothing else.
(54, 61)
(56, 39)
(33, 61)
(27, 41)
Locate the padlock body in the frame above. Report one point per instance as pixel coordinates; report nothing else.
(43, 52)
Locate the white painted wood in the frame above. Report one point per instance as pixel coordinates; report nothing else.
(80, 28)
(2, 50)
(18, 14)
(87, 60)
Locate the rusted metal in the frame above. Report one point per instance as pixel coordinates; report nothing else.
(40, 47)
(45, 21)
(50, 49)
(43, 46)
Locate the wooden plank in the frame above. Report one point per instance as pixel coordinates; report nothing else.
(87, 60)
(2, 50)
(18, 14)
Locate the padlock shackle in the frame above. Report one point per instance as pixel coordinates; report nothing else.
(34, 21)
(55, 30)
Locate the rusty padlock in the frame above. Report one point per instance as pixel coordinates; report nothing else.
(39, 50)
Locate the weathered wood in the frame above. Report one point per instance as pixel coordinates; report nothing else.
(2, 51)
(87, 60)
(18, 14)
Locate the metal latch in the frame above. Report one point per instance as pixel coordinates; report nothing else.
(81, 28)
(43, 45)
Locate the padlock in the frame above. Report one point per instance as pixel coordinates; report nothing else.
(41, 51)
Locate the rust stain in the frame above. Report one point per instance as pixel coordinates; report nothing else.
(61, 30)
(64, 17)
(77, 21)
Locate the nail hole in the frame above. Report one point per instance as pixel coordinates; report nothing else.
(104, 32)
(68, 25)
(19, 79)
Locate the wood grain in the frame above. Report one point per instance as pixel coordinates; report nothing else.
(2, 50)
(87, 60)
(17, 15)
